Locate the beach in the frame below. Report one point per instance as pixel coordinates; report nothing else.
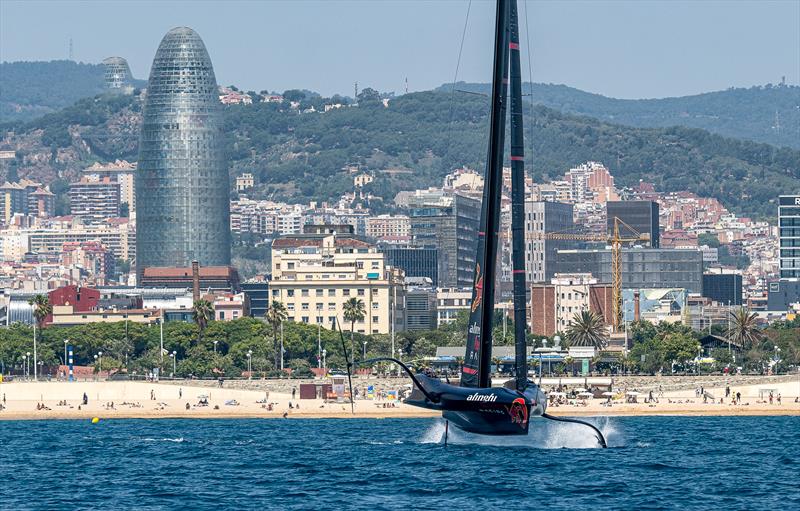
(143, 400)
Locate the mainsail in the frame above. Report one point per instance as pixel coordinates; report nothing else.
(518, 205)
(475, 371)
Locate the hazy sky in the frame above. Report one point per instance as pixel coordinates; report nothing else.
(630, 49)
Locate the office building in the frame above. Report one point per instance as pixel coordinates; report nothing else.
(783, 294)
(642, 268)
(94, 200)
(414, 261)
(120, 172)
(450, 223)
(789, 225)
(450, 302)
(182, 188)
(724, 288)
(420, 307)
(641, 215)
(542, 218)
(210, 278)
(117, 73)
(553, 306)
(257, 292)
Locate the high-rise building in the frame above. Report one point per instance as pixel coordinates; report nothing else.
(117, 73)
(450, 223)
(541, 218)
(789, 225)
(182, 187)
(121, 172)
(641, 215)
(94, 200)
(414, 261)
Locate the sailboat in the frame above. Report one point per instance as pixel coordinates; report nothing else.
(474, 405)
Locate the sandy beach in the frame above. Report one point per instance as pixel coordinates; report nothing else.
(45, 400)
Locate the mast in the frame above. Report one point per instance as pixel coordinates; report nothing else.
(477, 361)
(518, 205)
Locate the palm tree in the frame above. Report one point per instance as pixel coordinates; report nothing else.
(743, 330)
(587, 329)
(275, 316)
(353, 311)
(202, 313)
(41, 309)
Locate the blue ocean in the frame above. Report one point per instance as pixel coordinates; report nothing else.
(652, 463)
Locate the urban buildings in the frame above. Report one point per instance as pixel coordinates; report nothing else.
(25, 197)
(94, 200)
(257, 291)
(420, 262)
(542, 218)
(642, 268)
(244, 182)
(314, 274)
(117, 73)
(448, 222)
(420, 305)
(182, 186)
(449, 302)
(119, 171)
(389, 226)
(553, 306)
(638, 214)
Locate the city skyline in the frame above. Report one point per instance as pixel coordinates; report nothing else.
(380, 44)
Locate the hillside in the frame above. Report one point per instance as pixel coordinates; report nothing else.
(31, 89)
(418, 139)
(768, 114)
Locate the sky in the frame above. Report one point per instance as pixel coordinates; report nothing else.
(624, 49)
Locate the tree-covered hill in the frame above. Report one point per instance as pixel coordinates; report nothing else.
(31, 89)
(418, 139)
(769, 113)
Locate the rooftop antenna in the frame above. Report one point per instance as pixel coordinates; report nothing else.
(356, 96)
(406, 85)
(70, 50)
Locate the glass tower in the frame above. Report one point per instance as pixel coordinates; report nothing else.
(182, 189)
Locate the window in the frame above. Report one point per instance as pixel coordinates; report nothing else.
(345, 292)
(331, 292)
(290, 306)
(376, 265)
(331, 306)
(375, 305)
(319, 306)
(360, 265)
(304, 292)
(361, 292)
(290, 292)
(290, 266)
(375, 319)
(305, 306)
(304, 319)
(275, 293)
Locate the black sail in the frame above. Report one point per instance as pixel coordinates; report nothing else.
(476, 369)
(518, 204)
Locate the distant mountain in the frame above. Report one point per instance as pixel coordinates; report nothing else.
(32, 89)
(410, 144)
(769, 113)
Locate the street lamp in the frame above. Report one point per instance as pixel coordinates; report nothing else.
(66, 341)
(174, 355)
(249, 364)
(25, 364)
(325, 360)
(364, 357)
(215, 347)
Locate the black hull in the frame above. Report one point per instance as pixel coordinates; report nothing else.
(485, 411)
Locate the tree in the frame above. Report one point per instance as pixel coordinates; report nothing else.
(41, 309)
(202, 313)
(587, 329)
(276, 315)
(353, 311)
(743, 329)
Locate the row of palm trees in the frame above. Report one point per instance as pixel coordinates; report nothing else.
(588, 329)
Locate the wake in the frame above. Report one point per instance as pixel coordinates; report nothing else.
(542, 434)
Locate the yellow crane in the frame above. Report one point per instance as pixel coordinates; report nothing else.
(616, 241)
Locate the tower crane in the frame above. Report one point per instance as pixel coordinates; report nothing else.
(615, 239)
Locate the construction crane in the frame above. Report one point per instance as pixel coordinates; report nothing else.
(615, 240)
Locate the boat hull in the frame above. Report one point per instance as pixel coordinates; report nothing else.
(485, 411)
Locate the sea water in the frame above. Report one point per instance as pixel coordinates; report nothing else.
(651, 463)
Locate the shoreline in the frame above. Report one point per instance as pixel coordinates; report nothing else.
(143, 400)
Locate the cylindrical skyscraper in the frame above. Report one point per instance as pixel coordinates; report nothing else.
(182, 190)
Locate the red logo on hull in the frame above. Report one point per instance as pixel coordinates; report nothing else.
(518, 412)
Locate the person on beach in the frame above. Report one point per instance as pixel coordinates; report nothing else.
(294, 391)
(727, 390)
(85, 399)
(180, 392)
(738, 397)
(770, 397)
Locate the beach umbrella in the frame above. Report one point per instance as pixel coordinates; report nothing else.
(556, 394)
(585, 394)
(609, 394)
(632, 393)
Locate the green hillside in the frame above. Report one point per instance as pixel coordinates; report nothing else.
(769, 113)
(31, 89)
(418, 138)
